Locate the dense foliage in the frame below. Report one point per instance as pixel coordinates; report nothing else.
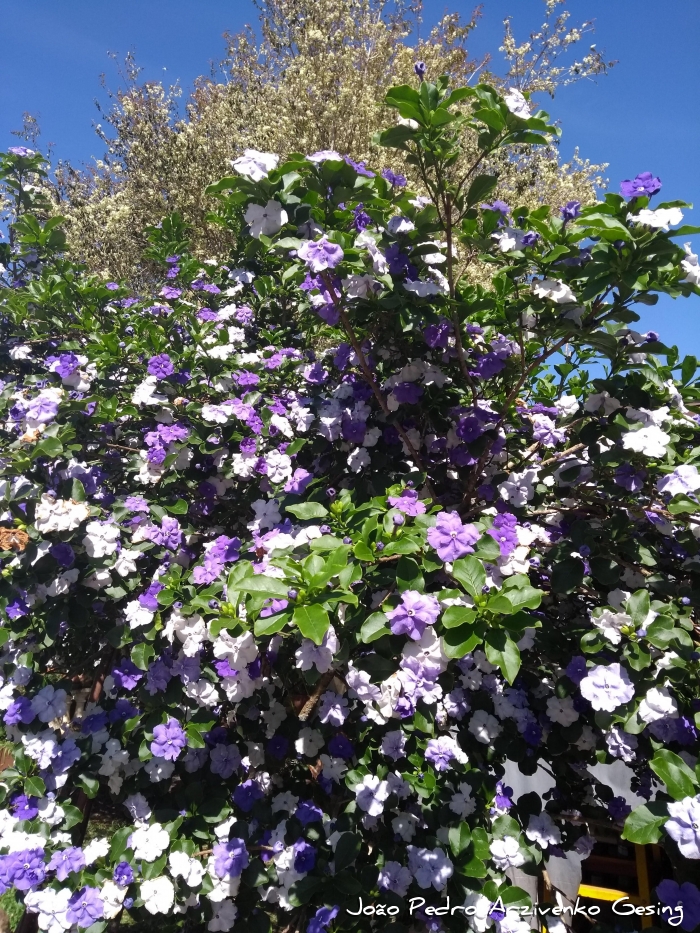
(300, 551)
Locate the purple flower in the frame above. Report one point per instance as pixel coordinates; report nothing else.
(23, 807)
(42, 409)
(136, 504)
(396, 181)
(320, 254)
(168, 740)
(307, 812)
(414, 613)
(315, 374)
(341, 747)
(361, 219)
(28, 869)
(20, 710)
(127, 675)
(408, 503)
(500, 207)
(545, 432)
(630, 479)
(607, 687)
(85, 907)
(504, 532)
(407, 393)
(685, 898)
(440, 751)
(298, 482)
(642, 185)
(278, 746)
(570, 211)
(394, 745)
(438, 335)
(161, 366)
(230, 858)
(123, 875)
(21, 151)
(322, 918)
(359, 167)
(450, 538)
(224, 760)
(618, 808)
(576, 669)
(170, 293)
(420, 69)
(158, 676)
(304, 856)
(246, 794)
(63, 553)
(169, 535)
(67, 861)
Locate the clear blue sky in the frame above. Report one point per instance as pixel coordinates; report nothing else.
(644, 116)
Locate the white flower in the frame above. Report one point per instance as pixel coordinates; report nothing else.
(149, 842)
(554, 290)
(543, 830)
(158, 769)
(309, 743)
(405, 825)
(266, 220)
(610, 624)
(333, 768)
(650, 441)
(158, 895)
(325, 155)
(279, 466)
(136, 615)
(95, 849)
(484, 727)
(400, 224)
(561, 711)
(125, 563)
(145, 393)
(358, 459)
(661, 218)
(422, 288)
(51, 906)
(225, 914)
(372, 794)
(320, 656)
(101, 539)
(690, 266)
(462, 803)
(255, 165)
(567, 405)
(189, 869)
(361, 286)
(239, 651)
(657, 704)
(506, 853)
(267, 514)
(138, 807)
(286, 801)
(112, 897)
(517, 104)
(59, 514)
(518, 489)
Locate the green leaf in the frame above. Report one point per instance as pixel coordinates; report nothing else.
(487, 548)
(307, 510)
(142, 655)
(459, 641)
(481, 188)
(49, 447)
(374, 627)
(312, 621)
(502, 651)
(638, 606)
(347, 850)
(119, 841)
(471, 574)
(643, 826)
(78, 491)
(89, 784)
(177, 508)
(454, 616)
(408, 575)
(481, 843)
(675, 773)
(266, 586)
(460, 837)
(34, 787)
(567, 575)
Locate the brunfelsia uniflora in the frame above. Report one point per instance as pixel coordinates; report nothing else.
(305, 552)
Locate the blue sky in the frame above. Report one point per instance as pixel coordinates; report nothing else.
(643, 116)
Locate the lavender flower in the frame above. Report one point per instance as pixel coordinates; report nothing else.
(642, 185)
(685, 898)
(168, 740)
(85, 907)
(66, 861)
(320, 254)
(230, 858)
(450, 538)
(161, 366)
(414, 613)
(683, 825)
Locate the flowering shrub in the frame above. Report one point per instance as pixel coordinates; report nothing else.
(302, 552)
